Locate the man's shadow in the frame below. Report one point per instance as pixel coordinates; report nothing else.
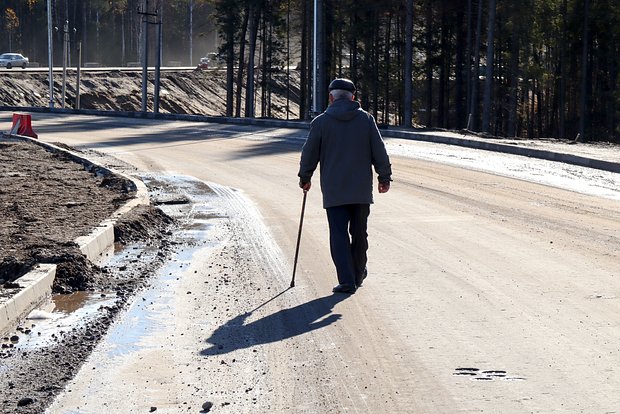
(285, 323)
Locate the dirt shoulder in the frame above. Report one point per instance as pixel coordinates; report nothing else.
(47, 200)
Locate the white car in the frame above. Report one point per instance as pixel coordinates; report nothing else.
(9, 60)
(212, 60)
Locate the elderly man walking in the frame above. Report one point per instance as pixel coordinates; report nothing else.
(346, 142)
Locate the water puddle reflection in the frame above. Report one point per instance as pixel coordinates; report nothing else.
(60, 314)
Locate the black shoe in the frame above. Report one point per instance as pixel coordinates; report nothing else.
(359, 281)
(343, 288)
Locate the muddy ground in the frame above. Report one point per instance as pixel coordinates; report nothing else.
(47, 200)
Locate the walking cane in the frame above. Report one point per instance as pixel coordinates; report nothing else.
(301, 222)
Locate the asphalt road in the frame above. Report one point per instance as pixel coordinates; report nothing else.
(485, 294)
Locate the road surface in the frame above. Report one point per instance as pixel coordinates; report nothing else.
(485, 293)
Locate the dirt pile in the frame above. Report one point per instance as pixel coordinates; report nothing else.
(198, 92)
(47, 200)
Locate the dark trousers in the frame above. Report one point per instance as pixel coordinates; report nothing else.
(349, 254)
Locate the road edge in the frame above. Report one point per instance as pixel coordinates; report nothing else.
(467, 139)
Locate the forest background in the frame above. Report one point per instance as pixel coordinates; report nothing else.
(524, 68)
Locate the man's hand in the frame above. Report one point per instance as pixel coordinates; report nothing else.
(305, 186)
(384, 187)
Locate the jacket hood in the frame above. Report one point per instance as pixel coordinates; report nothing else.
(343, 110)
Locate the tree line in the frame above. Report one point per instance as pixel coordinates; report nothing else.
(523, 68)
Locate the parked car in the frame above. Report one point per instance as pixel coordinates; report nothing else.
(8, 60)
(212, 60)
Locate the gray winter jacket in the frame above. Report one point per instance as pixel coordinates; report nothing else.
(346, 142)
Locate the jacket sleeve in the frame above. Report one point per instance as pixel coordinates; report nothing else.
(380, 158)
(310, 152)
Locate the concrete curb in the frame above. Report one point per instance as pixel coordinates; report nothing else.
(507, 148)
(37, 284)
(36, 287)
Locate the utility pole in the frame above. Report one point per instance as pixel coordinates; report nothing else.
(191, 32)
(65, 41)
(145, 56)
(145, 53)
(50, 55)
(315, 61)
(77, 87)
(321, 82)
(408, 72)
(158, 61)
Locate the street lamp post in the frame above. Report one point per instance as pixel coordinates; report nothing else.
(50, 58)
(315, 109)
(65, 52)
(145, 54)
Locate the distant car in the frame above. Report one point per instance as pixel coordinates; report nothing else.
(212, 60)
(8, 60)
(204, 63)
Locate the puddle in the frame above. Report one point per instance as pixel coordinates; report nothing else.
(78, 301)
(60, 314)
(47, 324)
(197, 219)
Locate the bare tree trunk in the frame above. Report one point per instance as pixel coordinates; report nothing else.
(249, 91)
(244, 29)
(473, 105)
(408, 75)
(230, 71)
(123, 43)
(191, 32)
(354, 53)
(429, 64)
(375, 65)
(84, 34)
(488, 83)
(468, 59)
(386, 58)
(263, 73)
(562, 104)
(443, 70)
(461, 75)
(322, 82)
(514, 85)
(303, 80)
(584, 71)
